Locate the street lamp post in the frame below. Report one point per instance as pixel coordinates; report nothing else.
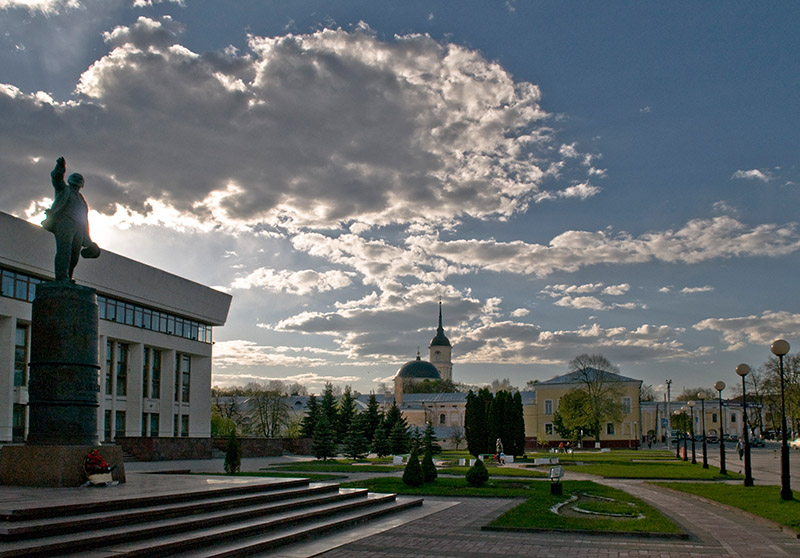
(691, 428)
(676, 413)
(702, 397)
(719, 386)
(779, 348)
(684, 408)
(743, 370)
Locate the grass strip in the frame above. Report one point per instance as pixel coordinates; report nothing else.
(763, 501)
(678, 470)
(534, 512)
(312, 477)
(496, 472)
(335, 467)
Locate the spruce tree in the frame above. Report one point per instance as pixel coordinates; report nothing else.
(374, 416)
(393, 416)
(355, 442)
(328, 406)
(311, 417)
(324, 444)
(412, 475)
(346, 410)
(518, 429)
(380, 442)
(398, 438)
(495, 418)
(429, 441)
(429, 472)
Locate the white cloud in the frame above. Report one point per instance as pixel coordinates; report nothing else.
(43, 6)
(617, 290)
(753, 174)
(694, 290)
(520, 312)
(293, 282)
(243, 353)
(754, 329)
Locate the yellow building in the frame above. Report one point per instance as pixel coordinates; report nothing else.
(540, 410)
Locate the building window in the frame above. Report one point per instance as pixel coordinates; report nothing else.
(119, 424)
(610, 429)
(183, 377)
(107, 426)
(122, 369)
(175, 421)
(548, 429)
(733, 417)
(21, 356)
(548, 407)
(151, 379)
(154, 425)
(18, 285)
(18, 423)
(713, 417)
(626, 405)
(109, 369)
(442, 418)
(184, 425)
(138, 316)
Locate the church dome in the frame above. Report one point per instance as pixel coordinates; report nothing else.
(418, 370)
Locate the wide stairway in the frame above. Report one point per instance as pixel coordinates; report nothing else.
(199, 516)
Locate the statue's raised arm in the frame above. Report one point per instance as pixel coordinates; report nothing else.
(68, 220)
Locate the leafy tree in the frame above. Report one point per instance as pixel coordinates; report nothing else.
(501, 385)
(429, 472)
(530, 385)
(429, 386)
(311, 417)
(398, 438)
(324, 443)
(345, 412)
(380, 443)
(233, 455)
(690, 394)
(478, 475)
(412, 475)
(355, 442)
(600, 380)
(574, 416)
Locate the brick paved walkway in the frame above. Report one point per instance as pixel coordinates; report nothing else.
(456, 531)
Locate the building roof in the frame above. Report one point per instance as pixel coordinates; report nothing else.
(418, 370)
(440, 339)
(592, 374)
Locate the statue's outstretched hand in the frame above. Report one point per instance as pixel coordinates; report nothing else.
(61, 163)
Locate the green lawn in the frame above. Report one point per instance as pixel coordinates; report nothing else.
(534, 512)
(339, 466)
(764, 501)
(496, 472)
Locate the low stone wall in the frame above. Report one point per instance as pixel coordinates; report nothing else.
(170, 449)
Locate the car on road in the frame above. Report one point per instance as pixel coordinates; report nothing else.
(795, 444)
(757, 442)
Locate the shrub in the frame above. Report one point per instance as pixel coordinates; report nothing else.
(477, 474)
(233, 455)
(429, 472)
(412, 475)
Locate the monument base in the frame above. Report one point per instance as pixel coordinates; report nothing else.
(54, 466)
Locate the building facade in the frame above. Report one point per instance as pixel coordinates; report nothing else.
(155, 339)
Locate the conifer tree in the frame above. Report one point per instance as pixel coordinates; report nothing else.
(380, 442)
(412, 475)
(478, 475)
(346, 410)
(328, 407)
(429, 472)
(355, 442)
(398, 438)
(374, 416)
(324, 444)
(233, 454)
(429, 444)
(518, 429)
(311, 417)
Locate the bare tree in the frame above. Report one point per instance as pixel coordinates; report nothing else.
(501, 385)
(647, 393)
(457, 436)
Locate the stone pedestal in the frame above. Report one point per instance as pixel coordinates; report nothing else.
(53, 466)
(63, 392)
(63, 389)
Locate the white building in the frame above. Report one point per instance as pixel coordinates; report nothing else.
(155, 335)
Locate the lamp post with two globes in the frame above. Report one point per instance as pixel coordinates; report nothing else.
(684, 408)
(743, 370)
(719, 386)
(676, 413)
(780, 348)
(702, 397)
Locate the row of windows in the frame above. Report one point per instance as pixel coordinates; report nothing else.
(116, 372)
(150, 425)
(145, 318)
(626, 406)
(23, 287)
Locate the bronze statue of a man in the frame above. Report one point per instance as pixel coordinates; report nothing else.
(68, 220)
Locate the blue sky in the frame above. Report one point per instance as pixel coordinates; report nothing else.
(617, 178)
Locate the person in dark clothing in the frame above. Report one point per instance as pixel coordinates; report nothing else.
(68, 220)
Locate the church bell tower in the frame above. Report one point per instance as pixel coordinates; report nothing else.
(440, 351)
